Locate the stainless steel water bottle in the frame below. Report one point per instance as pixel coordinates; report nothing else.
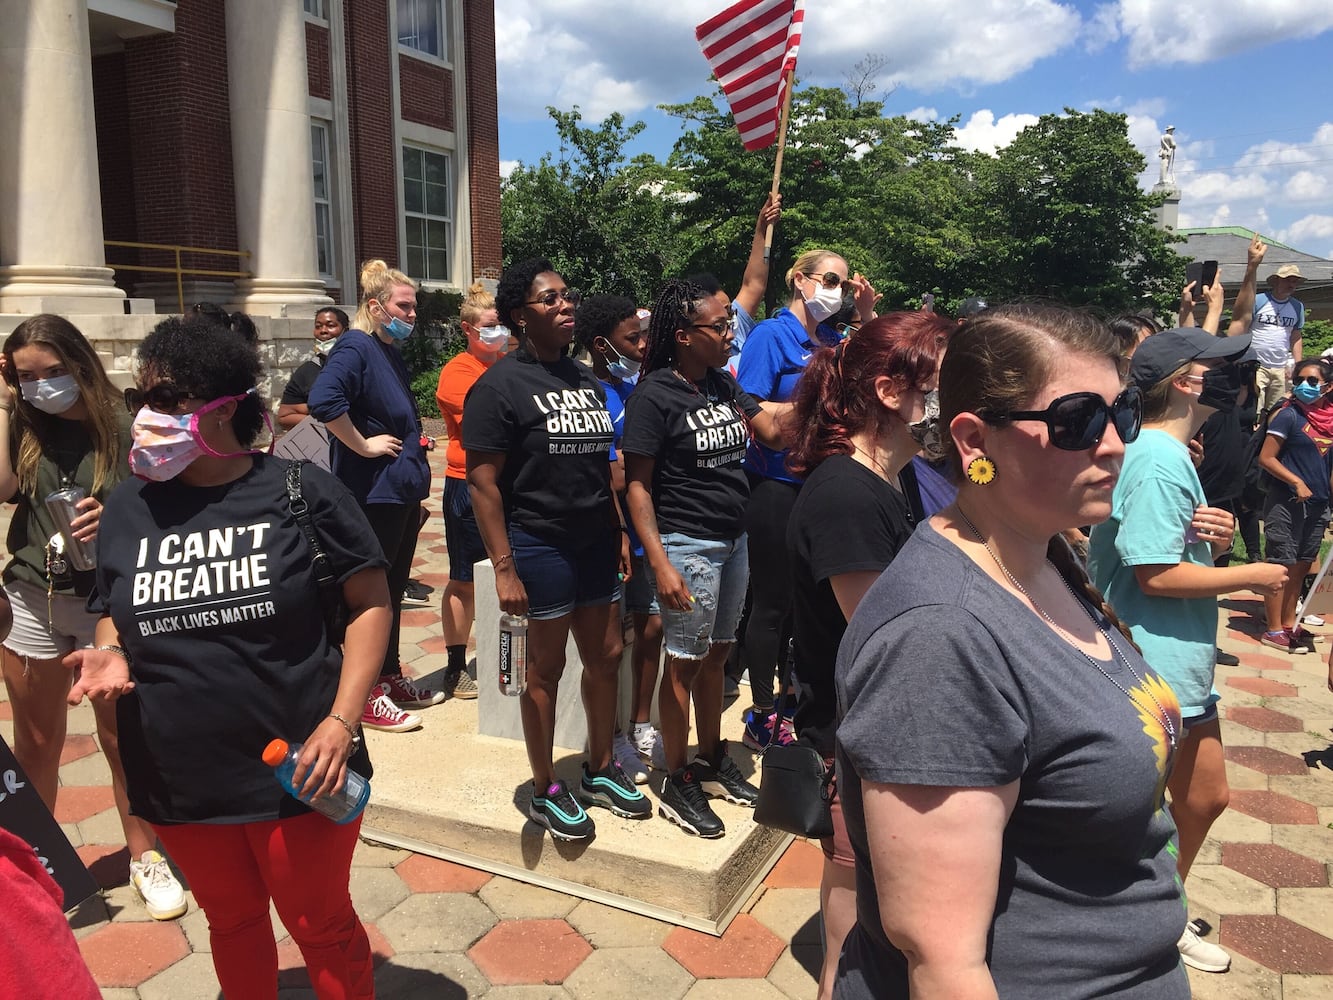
(62, 505)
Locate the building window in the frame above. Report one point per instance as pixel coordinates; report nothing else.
(317, 8)
(324, 237)
(428, 211)
(421, 27)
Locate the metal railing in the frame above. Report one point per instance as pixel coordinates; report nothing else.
(178, 270)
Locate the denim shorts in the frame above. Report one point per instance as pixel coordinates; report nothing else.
(462, 538)
(560, 578)
(640, 594)
(716, 572)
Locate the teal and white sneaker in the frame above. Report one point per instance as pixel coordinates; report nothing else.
(560, 813)
(612, 788)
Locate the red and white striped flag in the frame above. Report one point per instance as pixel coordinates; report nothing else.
(751, 47)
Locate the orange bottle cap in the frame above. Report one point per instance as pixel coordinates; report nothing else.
(275, 752)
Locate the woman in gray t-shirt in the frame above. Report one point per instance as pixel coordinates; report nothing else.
(1002, 747)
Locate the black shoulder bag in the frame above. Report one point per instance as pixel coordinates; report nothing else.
(794, 783)
(330, 593)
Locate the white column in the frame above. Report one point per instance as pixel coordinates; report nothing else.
(51, 253)
(270, 144)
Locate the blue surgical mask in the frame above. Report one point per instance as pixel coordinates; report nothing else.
(51, 395)
(397, 329)
(622, 368)
(1306, 393)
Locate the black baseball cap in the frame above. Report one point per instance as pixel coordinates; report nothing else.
(1169, 351)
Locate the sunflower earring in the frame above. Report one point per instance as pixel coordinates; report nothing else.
(981, 470)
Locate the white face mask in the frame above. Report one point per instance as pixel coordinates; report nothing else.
(51, 395)
(324, 346)
(622, 368)
(493, 338)
(825, 303)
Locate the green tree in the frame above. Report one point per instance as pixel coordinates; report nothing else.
(1062, 215)
(600, 219)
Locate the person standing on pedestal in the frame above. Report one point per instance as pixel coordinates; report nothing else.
(538, 441)
(364, 397)
(1276, 329)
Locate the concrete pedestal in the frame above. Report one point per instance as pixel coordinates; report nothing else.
(498, 714)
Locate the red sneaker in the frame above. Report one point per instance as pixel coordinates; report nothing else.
(382, 714)
(406, 694)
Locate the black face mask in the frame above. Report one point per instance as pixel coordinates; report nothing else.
(1220, 388)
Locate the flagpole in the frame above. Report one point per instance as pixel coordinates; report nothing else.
(777, 163)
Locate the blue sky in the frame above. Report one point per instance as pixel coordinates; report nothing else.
(1247, 83)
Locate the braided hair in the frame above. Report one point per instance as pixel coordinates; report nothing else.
(677, 305)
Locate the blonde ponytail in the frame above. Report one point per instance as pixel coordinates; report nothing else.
(378, 280)
(478, 302)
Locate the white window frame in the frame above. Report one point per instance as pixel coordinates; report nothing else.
(405, 21)
(449, 221)
(316, 10)
(324, 204)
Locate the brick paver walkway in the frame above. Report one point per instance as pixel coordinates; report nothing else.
(442, 931)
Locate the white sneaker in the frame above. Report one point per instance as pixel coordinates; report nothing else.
(627, 756)
(1200, 954)
(643, 737)
(1312, 620)
(155, 882)
(382, 714)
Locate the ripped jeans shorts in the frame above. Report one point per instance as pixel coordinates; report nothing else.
(717, 573)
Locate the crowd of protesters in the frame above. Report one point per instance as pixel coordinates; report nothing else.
(992, 547)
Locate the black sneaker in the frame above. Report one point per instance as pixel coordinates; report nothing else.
(684, 803)
(416, 594)
(612, 788)
(1225, 659)
(560, 812)
(724, 779)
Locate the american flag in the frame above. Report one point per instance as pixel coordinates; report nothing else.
(751, 47)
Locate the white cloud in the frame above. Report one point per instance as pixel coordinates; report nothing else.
(923, 115)
(1308, 229)
(1102, 28)
(606, 55)
(507, 167)
(984, 133)
(1305, 185)
(1157, 32)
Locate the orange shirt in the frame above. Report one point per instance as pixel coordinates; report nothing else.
(456, 378)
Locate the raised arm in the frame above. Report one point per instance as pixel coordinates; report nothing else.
(755, 281)
(1242, 310)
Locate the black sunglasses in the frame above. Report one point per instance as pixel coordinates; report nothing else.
(163, 398)
(1314, 380)
(1077, 422)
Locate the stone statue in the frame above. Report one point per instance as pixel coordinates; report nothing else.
(1166, 153)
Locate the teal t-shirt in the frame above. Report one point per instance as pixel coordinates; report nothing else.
(1151, 510)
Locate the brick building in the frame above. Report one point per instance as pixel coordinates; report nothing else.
(308, 134)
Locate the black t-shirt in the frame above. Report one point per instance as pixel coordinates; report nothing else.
(302, 381)
(698, 438)
(846, 519)
(551, 424)
(212, 592)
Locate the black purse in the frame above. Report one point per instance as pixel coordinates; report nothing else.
(331, 600)
(795, 785)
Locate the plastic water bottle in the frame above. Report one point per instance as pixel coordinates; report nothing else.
(513, 654)
(341, 807)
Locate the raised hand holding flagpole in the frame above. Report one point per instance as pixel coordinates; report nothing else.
(751, 47)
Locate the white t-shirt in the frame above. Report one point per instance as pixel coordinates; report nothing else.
(1272, 325)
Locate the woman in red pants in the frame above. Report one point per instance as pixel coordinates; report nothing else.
(212, 643)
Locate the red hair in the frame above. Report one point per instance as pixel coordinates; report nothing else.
(836, 399)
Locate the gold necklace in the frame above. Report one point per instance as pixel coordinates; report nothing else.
(1163, 716)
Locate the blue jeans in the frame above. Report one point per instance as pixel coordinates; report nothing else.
(559, 578)
(716, 573)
